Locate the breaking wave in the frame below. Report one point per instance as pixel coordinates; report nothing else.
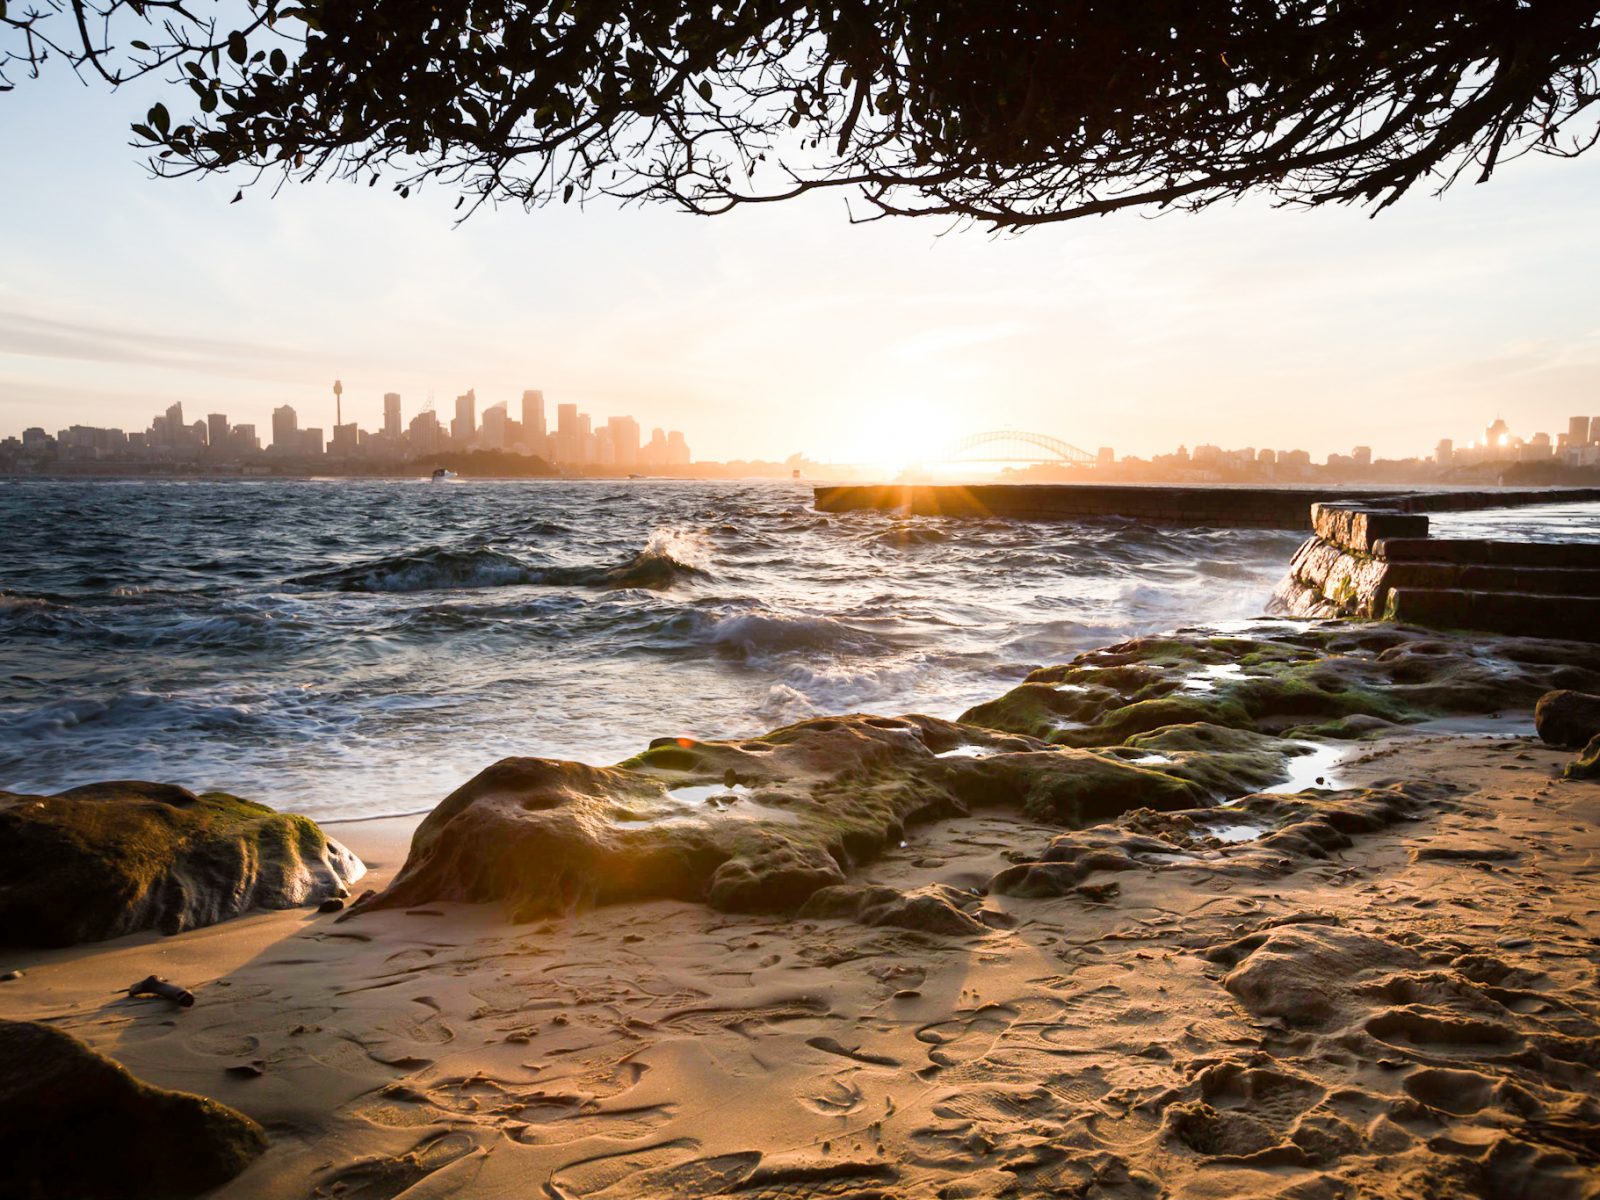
(657, 567)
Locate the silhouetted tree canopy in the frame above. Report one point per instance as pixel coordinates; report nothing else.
(1004, 111)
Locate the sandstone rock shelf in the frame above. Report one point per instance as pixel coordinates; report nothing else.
(1373, 560)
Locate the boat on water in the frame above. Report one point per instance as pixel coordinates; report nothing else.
(440, 474)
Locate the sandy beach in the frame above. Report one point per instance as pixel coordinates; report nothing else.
(1413, 1013)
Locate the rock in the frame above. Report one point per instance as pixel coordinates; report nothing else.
(10, 976)
(1332, 680)
(114, 858)
(1587, 764)
(544, 837)
(332, 904)
(1567, 719)
(934, 909)
(74, 1123)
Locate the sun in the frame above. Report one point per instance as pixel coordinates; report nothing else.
(895, 434)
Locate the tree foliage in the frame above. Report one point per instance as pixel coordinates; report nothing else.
(1004, 111)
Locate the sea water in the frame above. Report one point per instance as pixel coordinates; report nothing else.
(351, 648)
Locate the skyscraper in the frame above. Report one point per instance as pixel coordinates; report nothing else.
(494, 427)
(533, 429)
(217, 432)
(624, 434)
(391, 416)
(285, 431)
(1578, 431)
(175, 425)
(466, 422)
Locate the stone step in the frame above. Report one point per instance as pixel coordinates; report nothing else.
(1522, 614)
(1476, 577)
(1474, 551)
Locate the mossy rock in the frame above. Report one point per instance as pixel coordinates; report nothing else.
(109, 859)
(75, 1124)
(814, 801)
(1038, 710)
(1587, 764)
(1224, 762)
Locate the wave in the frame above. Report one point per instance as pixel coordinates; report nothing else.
(759, 634)
(425, 571)
(660, 565)
(663, 563)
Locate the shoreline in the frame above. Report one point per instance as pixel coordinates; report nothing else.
(660, 1048)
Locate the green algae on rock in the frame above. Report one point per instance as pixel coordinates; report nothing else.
(1331, 679)
(756, 825)
(75, 1123)
(109, 859)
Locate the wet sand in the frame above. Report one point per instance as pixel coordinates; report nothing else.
(1415, 1013)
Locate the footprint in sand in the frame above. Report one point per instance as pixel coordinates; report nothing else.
(224, 1044)
(837, 1098)
(385, 1177)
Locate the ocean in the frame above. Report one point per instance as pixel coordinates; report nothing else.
(354, 648)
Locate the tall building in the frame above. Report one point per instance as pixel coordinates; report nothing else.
(392, 428)
(623, 433)
(217, 432)
(1578, 431)
(1444, 453)
(677, 450)
(567, 420)
(1362, 456)
(533, 429)
(465, 425)
(425, 433)
(175, 426)
(494, 427)
(244, 439)
(346, 440)
(285, 431)
(310, 442)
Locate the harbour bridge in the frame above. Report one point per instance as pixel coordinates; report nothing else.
(1012, 446)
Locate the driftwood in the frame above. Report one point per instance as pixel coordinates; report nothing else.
(155, 985)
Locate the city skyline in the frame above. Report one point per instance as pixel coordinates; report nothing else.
(1243, 326)
(575, 441)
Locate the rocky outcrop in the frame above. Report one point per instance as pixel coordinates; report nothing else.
(74, 1123)
(116, 858)
(1331, 680)
(758, 825)
(1567, 719)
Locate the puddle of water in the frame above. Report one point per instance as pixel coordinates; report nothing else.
(699, 793)
(1070, 687)
(965, 751)
(1151, 760)
(1208, 677)
(703, 802)
(1314, 769)
(1232, 834)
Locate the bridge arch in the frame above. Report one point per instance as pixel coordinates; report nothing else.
(1015, 446)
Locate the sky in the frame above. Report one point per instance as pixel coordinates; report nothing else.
(784, 328)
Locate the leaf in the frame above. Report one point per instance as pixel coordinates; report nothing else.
(237, 50)
(280, 61)
(237, 196)
(146, 133)
(705, 89)
(159, 118)
(136, 44)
